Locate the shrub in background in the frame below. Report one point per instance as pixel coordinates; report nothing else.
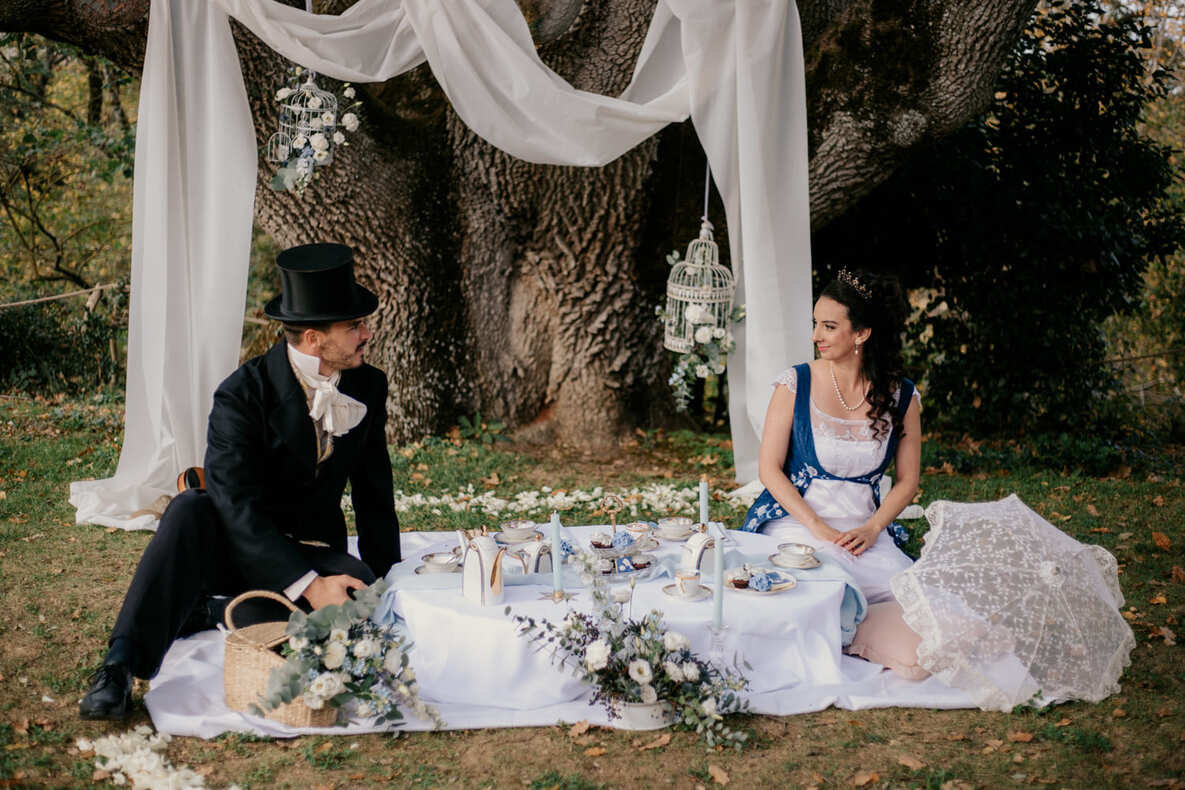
(58, 347)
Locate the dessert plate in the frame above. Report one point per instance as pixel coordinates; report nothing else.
(813, 563)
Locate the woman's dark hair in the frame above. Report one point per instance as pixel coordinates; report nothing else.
(875, 302)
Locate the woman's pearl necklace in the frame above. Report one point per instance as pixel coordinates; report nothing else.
(839, 394)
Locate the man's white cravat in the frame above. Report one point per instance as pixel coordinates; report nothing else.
(336, 412)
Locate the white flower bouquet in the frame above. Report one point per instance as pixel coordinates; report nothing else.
(339, 656)
(641, 661)
(316, 134)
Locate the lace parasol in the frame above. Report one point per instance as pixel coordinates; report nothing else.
(1013, 610)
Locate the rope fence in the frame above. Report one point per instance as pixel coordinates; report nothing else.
(89, 291)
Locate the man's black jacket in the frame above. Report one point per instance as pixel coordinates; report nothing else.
(262, 475)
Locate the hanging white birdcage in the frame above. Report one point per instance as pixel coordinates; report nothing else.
(699, 293)
(308, 116)
(279, 147)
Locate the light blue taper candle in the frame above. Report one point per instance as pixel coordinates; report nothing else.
(703, 499)
(557, 555)
(718, 593)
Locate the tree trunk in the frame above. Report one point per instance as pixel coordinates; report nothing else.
(527, 292)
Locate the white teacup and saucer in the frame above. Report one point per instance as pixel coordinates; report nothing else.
(687, 587)
(795, 555)
(674, 528)
(439, 562)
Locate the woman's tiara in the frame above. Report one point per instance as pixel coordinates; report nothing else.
(850, 279)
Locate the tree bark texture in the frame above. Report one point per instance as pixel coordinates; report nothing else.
(527, 292)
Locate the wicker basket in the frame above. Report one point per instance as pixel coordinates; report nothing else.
(250, 659)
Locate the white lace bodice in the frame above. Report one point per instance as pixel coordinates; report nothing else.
(846, 448)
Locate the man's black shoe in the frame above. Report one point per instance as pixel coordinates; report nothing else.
(110, 696)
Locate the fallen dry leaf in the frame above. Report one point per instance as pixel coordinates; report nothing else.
(100, 775)
(1170, 638)
(718, 774)
(579, 728)
(1164, 713)
(1020, 737)
(1063, 723)
(1158, 600)
(865, 778)
(657, 743)
(910, 762)
(1158, 500)
(1101, 530)
(1091, 509)
(1178, 574)
(1119, 713)
(995, 743)
(595, 751)
(1162, 541)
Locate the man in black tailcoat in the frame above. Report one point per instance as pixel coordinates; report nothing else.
(287, 431)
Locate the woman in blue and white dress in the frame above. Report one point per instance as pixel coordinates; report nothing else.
(833, 427)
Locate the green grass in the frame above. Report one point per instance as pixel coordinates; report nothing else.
(63, 584)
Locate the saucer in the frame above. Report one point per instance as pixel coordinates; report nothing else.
(645, 543)
(776, 560)
(788, 583)
(507, 540)
(424, 571)
(675, 538)
(672, 590)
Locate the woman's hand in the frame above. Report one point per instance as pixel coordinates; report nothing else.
(859, 539)
(824, 531)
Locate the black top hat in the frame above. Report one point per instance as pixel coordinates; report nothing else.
(318, 286)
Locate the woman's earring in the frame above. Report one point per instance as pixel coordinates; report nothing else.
(856, 350)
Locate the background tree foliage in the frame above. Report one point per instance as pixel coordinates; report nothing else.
(1028, 228)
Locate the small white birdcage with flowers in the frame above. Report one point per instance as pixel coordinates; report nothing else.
(699, 294)
(309, 115)
(310, 130)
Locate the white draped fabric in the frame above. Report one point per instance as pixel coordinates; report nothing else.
(736, 68)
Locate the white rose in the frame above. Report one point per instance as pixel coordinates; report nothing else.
(339, 635)
(326, 685)
(701, 371)
(338, 138)
(314, 103)
(648, 694)
(673, 640)
(314, 702)
(393, 662)
(364, 709)
(300, 141)
(319, 142)
(327, 118)
(673, 671)
(596, 655)
(283, 93)
(335, 655)
(298, 642)
(718, 368)
(348, 92)
(365, 648)
(640, 671)
(320, 157)
(350, 121)
(315, 124)
(710, 707)
(691, 671)
(703, 334)
(409, 674)
(718, 332)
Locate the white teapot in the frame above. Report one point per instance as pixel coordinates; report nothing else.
(535, 555)
(698, 551)
(481, 578)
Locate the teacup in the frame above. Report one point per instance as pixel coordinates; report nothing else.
(687, 583)
(676, 526)
(440, 561)
(518, 528)
(796, 554)
(638, 529)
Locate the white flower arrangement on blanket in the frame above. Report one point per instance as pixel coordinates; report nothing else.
(641, 661)
(339, 656)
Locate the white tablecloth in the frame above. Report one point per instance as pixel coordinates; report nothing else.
(474, 668)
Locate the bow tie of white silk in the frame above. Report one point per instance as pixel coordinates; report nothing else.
(337, 413)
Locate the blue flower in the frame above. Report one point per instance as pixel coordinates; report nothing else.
(566, 548)
(760, 582)
(623, 540)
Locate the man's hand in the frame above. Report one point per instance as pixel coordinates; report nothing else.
(326, 590)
